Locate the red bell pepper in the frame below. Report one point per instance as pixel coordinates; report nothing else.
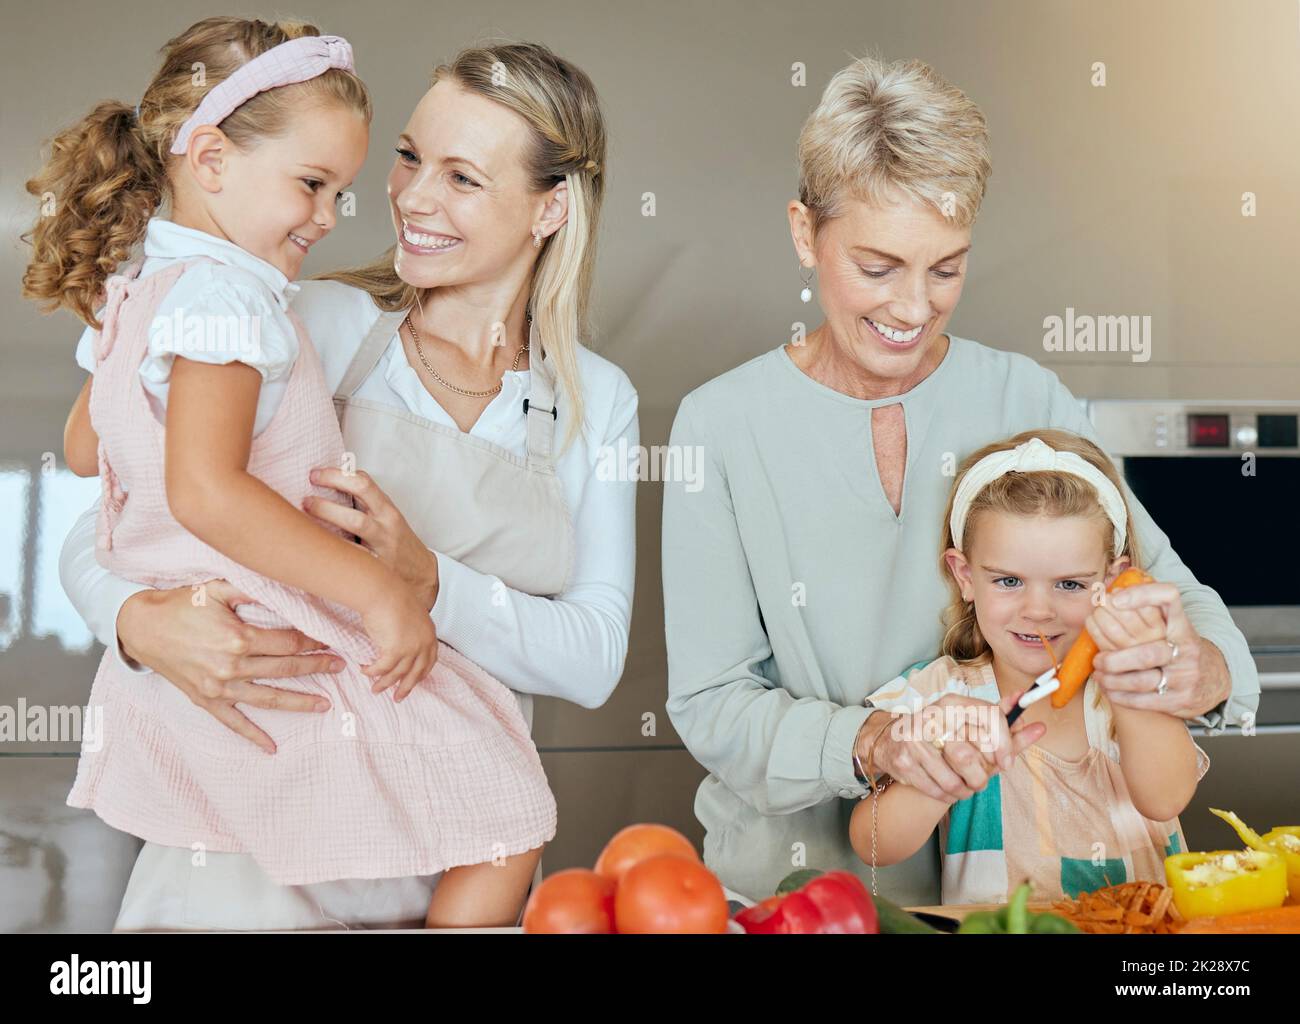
(836, 903)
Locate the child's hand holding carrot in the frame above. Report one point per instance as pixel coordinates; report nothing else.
(1157, 755)
(1113, 628)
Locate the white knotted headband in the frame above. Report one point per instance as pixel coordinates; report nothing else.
(287, 64)
(1035, 455)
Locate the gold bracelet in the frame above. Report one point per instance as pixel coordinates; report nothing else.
(861, 775)
(871, 754)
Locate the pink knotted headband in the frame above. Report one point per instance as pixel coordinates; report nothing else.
(287, 64)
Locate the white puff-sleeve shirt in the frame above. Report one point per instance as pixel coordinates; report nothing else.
(233, 310)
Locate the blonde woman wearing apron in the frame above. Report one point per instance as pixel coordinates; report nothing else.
(485, 497)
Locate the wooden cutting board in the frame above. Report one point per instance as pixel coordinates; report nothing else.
(958, 912)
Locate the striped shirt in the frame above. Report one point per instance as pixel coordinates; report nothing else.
(1064, 827)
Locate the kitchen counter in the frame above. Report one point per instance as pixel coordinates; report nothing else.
(956, 912)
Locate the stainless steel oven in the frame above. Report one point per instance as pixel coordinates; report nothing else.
(1222, 479)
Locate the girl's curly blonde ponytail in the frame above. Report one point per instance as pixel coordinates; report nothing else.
(98, 189)
(108, 173)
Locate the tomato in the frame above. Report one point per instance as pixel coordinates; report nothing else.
(573, 901)
(669, 894)
(637, 842)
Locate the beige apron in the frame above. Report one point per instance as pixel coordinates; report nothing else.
(464, 497)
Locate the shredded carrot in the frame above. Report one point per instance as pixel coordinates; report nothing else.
(1132, 908)
(1050, 653)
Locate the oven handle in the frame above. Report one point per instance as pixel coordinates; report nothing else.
(1272, 729)
(1279, 680)
(1267, 681)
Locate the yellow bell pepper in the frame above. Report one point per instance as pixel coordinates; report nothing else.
(1226, 881)
(1284, 841)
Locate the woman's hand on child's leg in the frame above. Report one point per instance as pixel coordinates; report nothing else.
(207, 652)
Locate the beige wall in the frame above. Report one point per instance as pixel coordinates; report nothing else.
(1116, 200)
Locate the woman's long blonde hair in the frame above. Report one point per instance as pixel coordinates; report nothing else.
(566, 142)
(1040, 493)
(107, 174)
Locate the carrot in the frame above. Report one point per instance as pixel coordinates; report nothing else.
(1077, 666)
(1279, 921)
(1048, 648)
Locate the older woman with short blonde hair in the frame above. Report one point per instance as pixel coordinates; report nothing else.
(803, 574)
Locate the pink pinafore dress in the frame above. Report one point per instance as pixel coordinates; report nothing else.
(369, 789)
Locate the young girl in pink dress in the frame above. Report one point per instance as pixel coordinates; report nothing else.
(207, 412)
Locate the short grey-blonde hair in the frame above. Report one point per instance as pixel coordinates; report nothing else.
(882, 128)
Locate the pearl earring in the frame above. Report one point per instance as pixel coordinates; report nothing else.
(537, 239)
(806, 294)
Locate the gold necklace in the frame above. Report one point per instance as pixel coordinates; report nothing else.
(419, 350)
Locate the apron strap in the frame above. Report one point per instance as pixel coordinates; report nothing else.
(541, 412)
(376, 341)
(540, 408)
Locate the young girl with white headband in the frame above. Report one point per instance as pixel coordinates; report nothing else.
(1036, 528)
(207, 412)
